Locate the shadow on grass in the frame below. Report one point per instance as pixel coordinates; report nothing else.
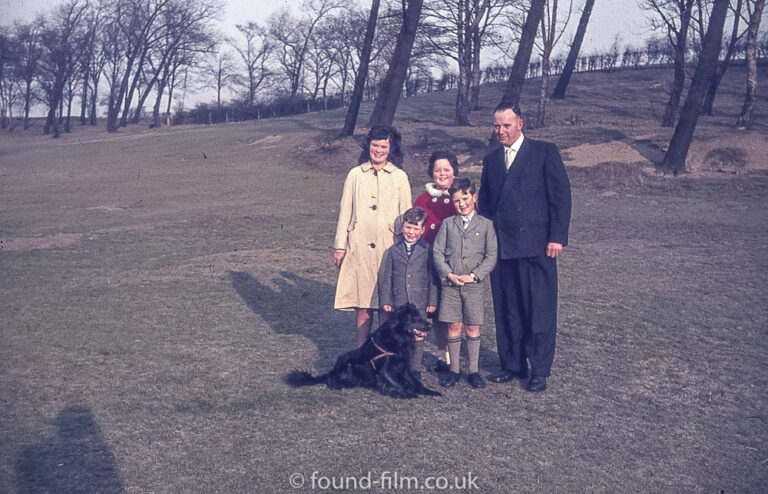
(299, 306)
(76, 460)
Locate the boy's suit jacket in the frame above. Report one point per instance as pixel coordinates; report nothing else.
(531, 204)
(405, 280)
(461, 251)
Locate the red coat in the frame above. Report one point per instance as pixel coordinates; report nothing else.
(438, 206)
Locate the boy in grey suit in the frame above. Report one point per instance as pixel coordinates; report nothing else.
(406, 275)
(464, 255)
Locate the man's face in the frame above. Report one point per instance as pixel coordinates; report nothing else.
(507, 126)
(464, 202)
(412, 232)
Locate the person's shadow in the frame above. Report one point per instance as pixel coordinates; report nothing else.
(300, 306)
(77, 460)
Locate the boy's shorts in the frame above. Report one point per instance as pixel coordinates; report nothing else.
(462, 304)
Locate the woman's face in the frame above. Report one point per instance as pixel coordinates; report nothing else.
(378, 150)
(442, 173)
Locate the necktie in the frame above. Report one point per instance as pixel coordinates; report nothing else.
(509, 156)
(465, 220)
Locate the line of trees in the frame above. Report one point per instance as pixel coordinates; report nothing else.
(127, 55)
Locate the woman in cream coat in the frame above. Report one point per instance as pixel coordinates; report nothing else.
(376, 193)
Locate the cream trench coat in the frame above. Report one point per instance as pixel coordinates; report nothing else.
(371, 205)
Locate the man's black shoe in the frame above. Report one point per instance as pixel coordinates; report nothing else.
(449, 380)
(476, 380)
(507, 376)
(537, 383)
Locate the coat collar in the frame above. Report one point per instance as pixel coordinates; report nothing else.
(389, 167)
(433, 191)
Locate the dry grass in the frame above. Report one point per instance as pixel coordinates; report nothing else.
(156, 286)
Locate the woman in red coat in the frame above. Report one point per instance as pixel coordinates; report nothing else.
(443, 168)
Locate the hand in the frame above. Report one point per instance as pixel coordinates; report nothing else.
(338, 257)
(554, 249)
(386, 308)
(431, 309)
(454, 279)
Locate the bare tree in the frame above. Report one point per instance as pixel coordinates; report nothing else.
(185, 28)
(736, 35)
(516, 79)
(552, 29)
(293, 37)
(29, 52)
(755, 9)
(673, 16)
(392, 86)
(573, 52)
(674, 159)
(221, 67)
(132, 27)
(58, 37)
(362, 72)
(456, 29)
(255, 54)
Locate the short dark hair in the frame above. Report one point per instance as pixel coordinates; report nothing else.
(509, 106)
(414, 215)
(443, 154)
(381, 133)
(463, 184)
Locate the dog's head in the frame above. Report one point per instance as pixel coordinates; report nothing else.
(409, 318)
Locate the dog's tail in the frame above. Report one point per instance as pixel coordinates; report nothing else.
(297, 378)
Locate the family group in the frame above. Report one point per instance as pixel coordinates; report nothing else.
(440, 252)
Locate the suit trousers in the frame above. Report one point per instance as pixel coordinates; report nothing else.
(525, 307)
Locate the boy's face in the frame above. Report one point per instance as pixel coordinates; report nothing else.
(464, 202)
(412, 232)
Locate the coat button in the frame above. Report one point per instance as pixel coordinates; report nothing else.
(373, 207)
(373, 246)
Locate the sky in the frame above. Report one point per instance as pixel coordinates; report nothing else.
(609, 17)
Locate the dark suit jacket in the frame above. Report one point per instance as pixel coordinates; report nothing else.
(531, 204)
(405, 280)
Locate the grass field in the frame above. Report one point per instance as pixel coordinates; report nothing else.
(157, 285)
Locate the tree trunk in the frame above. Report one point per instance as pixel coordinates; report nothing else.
(678, 81)
(542, 108)
(744, 120)
(573, 53)
(27, 98)
(464, 56)
(476, 72)
(523, 56)
(674, 159)
(392, 86)
(714, 84)
(362, 73)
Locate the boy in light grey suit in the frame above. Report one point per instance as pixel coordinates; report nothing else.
(464, 254)
(406, 275)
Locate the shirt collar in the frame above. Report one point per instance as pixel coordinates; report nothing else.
(515, 146)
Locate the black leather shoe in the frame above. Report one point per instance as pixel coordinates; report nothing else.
(440, 367)
(476, 380)
(507, 376)
(537, 383)
(449, 380)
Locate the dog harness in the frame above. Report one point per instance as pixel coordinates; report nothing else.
(382, 353)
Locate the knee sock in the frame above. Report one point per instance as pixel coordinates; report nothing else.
(454, 349)
(418, 351)
(473, 351)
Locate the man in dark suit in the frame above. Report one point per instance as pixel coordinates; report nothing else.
(525, 191)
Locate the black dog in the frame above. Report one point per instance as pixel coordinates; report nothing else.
(382, 363)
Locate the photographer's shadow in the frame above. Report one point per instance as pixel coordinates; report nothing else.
(76, 460)
(299, 306)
